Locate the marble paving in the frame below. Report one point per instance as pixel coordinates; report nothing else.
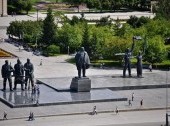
(50, 96)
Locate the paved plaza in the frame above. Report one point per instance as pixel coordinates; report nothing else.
(57, 73)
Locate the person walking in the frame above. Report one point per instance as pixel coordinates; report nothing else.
(130, 103)
(132, 96)
(6, 75)
(141, 103)
(94, 110)
(5, 116)
(117, 111)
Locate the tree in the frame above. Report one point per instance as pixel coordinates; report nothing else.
(69, 36)
(19, 5)
(29, 31)
(136, 22)
(86, 39)
(104, 21)
(75, 2)
(49, 29)
(28, 6)
(156, 51)
(163, 9)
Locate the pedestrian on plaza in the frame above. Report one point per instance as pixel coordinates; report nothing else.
(130, 103)
(150, 67)
(94, 110)
(41, 62)
(6, 75)
(31, 116)
(141, 103)
(19, 47)
(132, 96)
(5, 116)
(117, 111)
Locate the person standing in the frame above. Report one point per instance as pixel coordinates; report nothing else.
(6, 75)
(19, 74)
(82, 62)
(29, 69)
(150, 67)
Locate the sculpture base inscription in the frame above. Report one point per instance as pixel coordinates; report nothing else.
(80, 84)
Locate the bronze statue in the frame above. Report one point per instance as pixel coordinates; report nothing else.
(82, 62)
(127, 62)
(19, 74)
(29, 69)
(6, 75)
(139, 64)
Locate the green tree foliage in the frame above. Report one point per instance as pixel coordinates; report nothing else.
(29, 31)
(86, 39)
(120, 29)
(104, 21)
(136, 22)
(19, 5)
(52, 50)
(156, 51)
(158, 27)
(70, 36)
(112, 4)
(163, 8)
(49, 29)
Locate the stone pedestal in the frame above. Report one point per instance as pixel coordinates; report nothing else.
(81, 84)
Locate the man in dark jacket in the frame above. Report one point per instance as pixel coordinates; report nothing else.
(19, 74)
(82, 62)
(29, 69)
(6, 75)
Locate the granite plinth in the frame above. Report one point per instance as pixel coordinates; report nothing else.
(80, 84)
(50, 96)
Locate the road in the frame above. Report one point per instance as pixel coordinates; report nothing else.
(133, 118)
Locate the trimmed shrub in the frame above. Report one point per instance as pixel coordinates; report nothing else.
(52, 50)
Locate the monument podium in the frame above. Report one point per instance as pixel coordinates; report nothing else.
(80, 84)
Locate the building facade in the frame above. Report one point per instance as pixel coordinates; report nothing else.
(3, 8)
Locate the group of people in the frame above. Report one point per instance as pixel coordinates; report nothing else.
(22, 74)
